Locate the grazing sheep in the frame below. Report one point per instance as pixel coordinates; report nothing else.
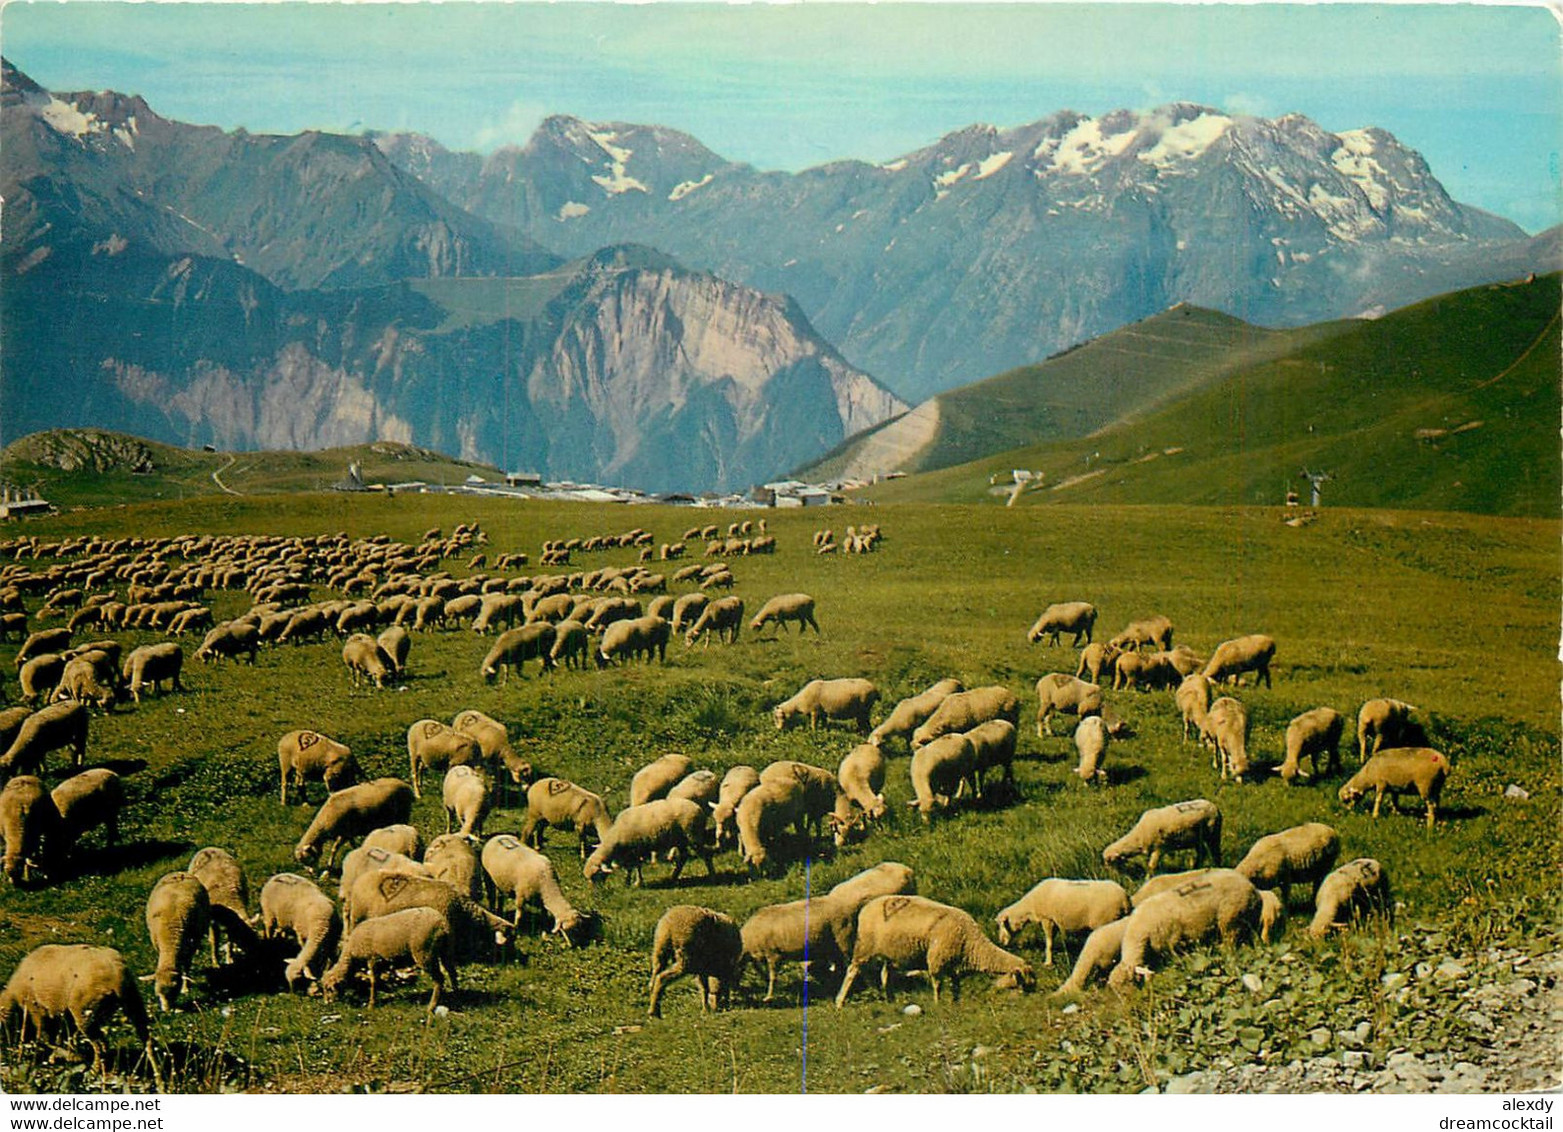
(520, 872)
(888, 878)
(1272, 915)
(1138, 672)
(497, 609)
(960, 712)
(228, 890)
(861, 776)
(30, 823)
(1358, 888)
(514, 647)
(994, 744)
(916, 933)
(289, 902)
(453, 858)
(42, 641)
(395, 643)
(1194, 824)
(403, 839)
(371, 859)
(309, 754)
(762, 815)
(1067, 905)
(432, 744)
(40, 676)
(1155, 631)
(849, 699)
(1387, 723)
(1231, 659)
(366, 661)
(1092, 741)
(420, 936)
(1308, 736)
(737, 782)
(688, 608)
(150, 665)
(1220, 904)
(1060, 693)
(1098, 954)
(1077, 617)
(1396, 771)
(1193, 700)
(231, 639)
(699, 786)
(640, 637)
(818, 930)
(554, 801)
(467, 799)
(11, 720)
(656, 778)
(723, 617)
(691, 940)
(572, 645)
(784, 608)
(1227, 722)
(44, 732)
(911, 713)
(939, 770)
(351, 813)
(1302, 854)
(1156, 885)
(86, 801)
(494, 741)
(178, 916)
(821, 794)
(477, 931)
(668, 825)
(90, 679)
(88, 983)
(1097, 658)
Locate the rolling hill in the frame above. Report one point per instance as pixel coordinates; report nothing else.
(1450, 404)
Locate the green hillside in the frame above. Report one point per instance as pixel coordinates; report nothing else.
(1451, 404)
(97, 468)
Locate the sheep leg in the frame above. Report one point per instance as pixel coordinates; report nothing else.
(434, 973)
(1155, 859)
(846, 983)
(770, 985)
(660, 979)
(1378, 800)
(1047, 928)
(707, 993)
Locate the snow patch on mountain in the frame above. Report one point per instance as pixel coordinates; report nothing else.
(617, 181)
(1357, 159)
(1186, 140)
(65, 118)
(684, 188)
(991, 165)
(1085, 148)
(571, 209)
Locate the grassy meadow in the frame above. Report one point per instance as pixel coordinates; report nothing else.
(1456, 613)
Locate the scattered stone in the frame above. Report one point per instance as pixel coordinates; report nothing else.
(1451, 969)
(1363, 1032)
(979, 1052)
(1423, 970)
(1319, 1037)
(1519, 988)
(1354, 1059)
(912, 1010)
(1253, 983)
(1072, 1008)
(1516, 793)
(1394, 981)
(1201, 1081)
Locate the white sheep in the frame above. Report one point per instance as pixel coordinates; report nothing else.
(494, 741)
(572, 645)
(861, 776)
(1396, 771)
(911, 713)
(228, 891)
(1098, 954)
(939, 771)
(372, 859)
(850, 699)
(1231, 659)
(521, 873)
(231, 639)
(86, 801)
(657, 777)
(915, 933)
(1309, 735)
(1096, 659)
(432, 744)
(763, 814)
(304, 754)
(691, 940)
(557, 802)
(1357, 888)
(888, 878)
(85, 982)
(178, 916)
(737, 782)
(419, 936)
(89, 678)
(395, 838)
(723, 618)
(821, 794)
(351, 813)
(671, 825)
(783, 608)
(1061, 693)
(687, 609)
(993, 744)
(467, 799)
(1227, 722)
(960, 712)
(1091, 741)
(31, 825)
(150, 665)
(1300, 855)
(453, 858)
(289, 902)
(818, 930)
(1387, 723)
(395, 643)
(43, 732)
(1154, 631)
(40, 678)
(477, 931)
(514, 647)
(1220, 904)
(1193, 698)
(642, 637)
(1195, 824)
(1077, 617)
(1069, 906)
(699, 786)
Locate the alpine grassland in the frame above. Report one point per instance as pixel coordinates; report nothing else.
(1456, 613)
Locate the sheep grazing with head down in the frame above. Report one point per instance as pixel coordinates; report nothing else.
(467, 799)
(453, 858)
(307, 754)
(417, 936)
(557, 802)
(395, 643)
(1356, 889)
(86, 801)
(149, 665)
(395, 838)
(861, 800)
(1098, 955)
(669, 825)
(993, 743)
(1069, 906)
(940, 770)
(1153, 631)
(494, 741)
(912, 712)
(1092, 741)
(41, 642)
(231, 639)
(1309, 735)
(1396, 771)
(514, 647)
(1058, 693)
(1387, 723)
(478, 932)
(1300, 855)
(644, 638)
(821, 793)
(350, 813)
(521, 873)
(42, 733)
(737, 782)
(763, 815)
(1193, 698)
(1222, 904)
(699, 786)
(784, 608)
(432, 744)
(1097, 658)
(291, 903)
(228, 894)
(1231, 659)
(849, 699)
(1227, 722)
(1195, 824)
(30, 823)
(723, 618)
(691, 940)
(372, 859)
(657, 777)
(89, 678)
(84, 982)
(915, 933)
(178, 916)
(960, 712)
(1077, 617)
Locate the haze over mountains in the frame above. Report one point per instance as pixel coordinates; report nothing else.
(617, 302)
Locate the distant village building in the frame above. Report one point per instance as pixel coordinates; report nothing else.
(15, 503)
(524, 479)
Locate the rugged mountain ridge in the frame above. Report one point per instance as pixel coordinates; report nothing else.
(994, 248)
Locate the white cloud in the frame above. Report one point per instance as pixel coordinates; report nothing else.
(513, 127)
(1242, 102)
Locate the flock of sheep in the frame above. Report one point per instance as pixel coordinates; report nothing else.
(432, 907)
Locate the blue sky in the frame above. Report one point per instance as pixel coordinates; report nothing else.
(1477, 89)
